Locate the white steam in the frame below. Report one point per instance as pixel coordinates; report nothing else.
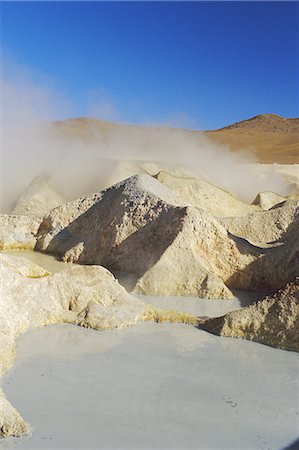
(89, 157)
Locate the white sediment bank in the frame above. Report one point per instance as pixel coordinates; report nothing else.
(152, 386)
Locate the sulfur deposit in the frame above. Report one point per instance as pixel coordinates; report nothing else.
(272, 321)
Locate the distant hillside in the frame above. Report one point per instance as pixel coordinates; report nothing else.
(270, 123)
(271, 138)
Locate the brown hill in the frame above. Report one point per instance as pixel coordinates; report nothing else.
(267, 122)
(271, 138)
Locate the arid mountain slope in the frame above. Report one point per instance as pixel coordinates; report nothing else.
(271, 138)
(266, 122)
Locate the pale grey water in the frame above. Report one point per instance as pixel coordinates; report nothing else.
(152, 386)
(201, 306)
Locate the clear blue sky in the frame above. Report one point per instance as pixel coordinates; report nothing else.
(212, 62)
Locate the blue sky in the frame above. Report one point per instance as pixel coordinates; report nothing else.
(197, 64)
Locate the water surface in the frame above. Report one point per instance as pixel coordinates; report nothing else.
(48, 262)
(152, 386)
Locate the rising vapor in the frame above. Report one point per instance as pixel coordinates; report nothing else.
(32, 146)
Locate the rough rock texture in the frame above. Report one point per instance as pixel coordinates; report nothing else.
(202, 194)
(11, 422)
(173, 250)
(89, 296)
(266, 200)
(78, 294)
(184, 267)
(278, 223)
(128, 228)
(272, 321)
(38, 199)
(18, 232)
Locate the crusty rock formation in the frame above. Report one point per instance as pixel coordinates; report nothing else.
(202, 194)
(89, 296)
(18, 232)
(266, 200)
(38, 199)
(135, 227)
(276, 224)
(272, 321)
(128, 228)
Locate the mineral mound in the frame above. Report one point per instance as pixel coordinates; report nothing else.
(280, 223)
(202, 194)
(38, 199)
(136, 227)
(272, 321)
(266, 200)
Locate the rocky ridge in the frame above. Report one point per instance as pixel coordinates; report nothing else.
(271, 123)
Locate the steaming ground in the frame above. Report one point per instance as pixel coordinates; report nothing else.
(82, 156)
(179, 386)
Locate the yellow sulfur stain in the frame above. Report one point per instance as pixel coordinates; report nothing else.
(171, 316)
(16, 246)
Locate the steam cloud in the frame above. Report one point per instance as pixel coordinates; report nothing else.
(31, 146)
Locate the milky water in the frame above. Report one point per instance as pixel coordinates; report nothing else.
(152, 386)
(48, 262)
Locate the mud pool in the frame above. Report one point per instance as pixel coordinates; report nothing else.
(152, 386)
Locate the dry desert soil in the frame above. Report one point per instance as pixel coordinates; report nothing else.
(269, 137)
